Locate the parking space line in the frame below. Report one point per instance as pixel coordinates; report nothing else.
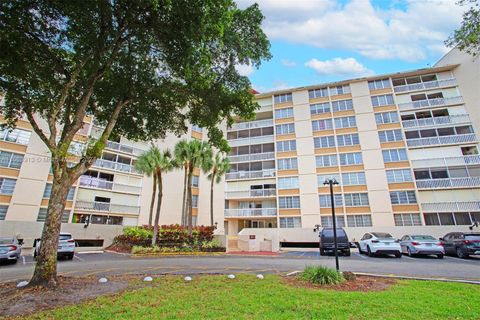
(82, 260)
(359, 255)
(23, 259)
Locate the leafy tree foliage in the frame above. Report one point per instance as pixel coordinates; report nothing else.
(467, 37)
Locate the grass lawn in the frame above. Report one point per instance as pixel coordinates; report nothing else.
(249, 298)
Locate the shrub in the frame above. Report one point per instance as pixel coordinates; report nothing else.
(349, 276)
(211, 244)
(322, 275)
(138, 232)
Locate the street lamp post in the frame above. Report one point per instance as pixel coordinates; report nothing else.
(332, 182)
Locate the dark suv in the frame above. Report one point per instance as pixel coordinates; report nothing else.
(327, 244)
(461, 244)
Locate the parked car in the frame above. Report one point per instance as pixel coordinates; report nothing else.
(413, 244)
(10, 249)
(66, 246)
(461, 244)
(373, 243)
(327, 242)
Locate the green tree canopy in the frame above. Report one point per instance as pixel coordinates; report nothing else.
(467, 37)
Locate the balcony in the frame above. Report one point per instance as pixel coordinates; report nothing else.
(436, 121)
(270, 173)
(117, 166)
(106, 207)
(254, 212)
(446, 162)
(251, 125)
(451, 206)
(438, 102)
(426, 85)
(123, 148)
(430, 141)
(90, 182)
(251, 140)
(449, 183)
(252, 157)
(254, 193)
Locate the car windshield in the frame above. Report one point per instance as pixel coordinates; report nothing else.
(423, 238)
(6, 241)
(472, 237)
(65, 237)
(382, 235)
(329, 233)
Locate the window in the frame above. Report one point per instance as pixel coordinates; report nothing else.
(329, 160)
(284, 113)
(393, 155)
(326, 203)
(287, 164)
(288, 183)
(348, 140)
(318, 93)
(403, 197)
(319, 108)
(195, 180)
(450, 218)
(196, 128)
(281, 98)
(386, 117)
(7, 186)
(359, 220)
(356, 199)
(327, 221)
(322, 177)
(345, 122)
(16, 135)
(320, 125)
(3, 212)
(339, 90)
(289, 202)
(285, 128)
(11, 160)
(348, 159)
(379, 84)
(194, 220)
(289, 145)
(400, 175)
(383, 100)
(353, 178)
(42, 215)
(390, 135)
(290, 222)
(324, 142)
(194, 201)
(48, 191)
(407, 219)
(342, 105)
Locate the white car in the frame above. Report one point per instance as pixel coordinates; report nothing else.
(374, 243)
(66, 246)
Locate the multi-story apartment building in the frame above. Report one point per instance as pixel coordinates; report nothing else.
(402, 147)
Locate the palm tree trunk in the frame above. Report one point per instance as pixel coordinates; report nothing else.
(211, 200)
(159, 205)
(189, 201)
(152, 202)
(184, 206)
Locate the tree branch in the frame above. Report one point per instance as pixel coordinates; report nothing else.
(38, 131)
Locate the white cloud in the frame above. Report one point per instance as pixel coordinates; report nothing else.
(339, 66)
(288, 63)
(412, 33)
(276, 85)
(244, 69)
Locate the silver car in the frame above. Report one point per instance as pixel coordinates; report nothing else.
(10, 249)
(413, 244)
(66, 246)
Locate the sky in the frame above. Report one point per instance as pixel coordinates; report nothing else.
(317, 41)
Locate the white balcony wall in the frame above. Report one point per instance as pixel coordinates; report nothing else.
(452, 195)
(245, 185)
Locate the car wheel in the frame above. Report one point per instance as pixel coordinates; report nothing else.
(322, 252)
(369, 252)
(440, 256)
(347, 253)
(460, 254)
(409, 253)
(70, 257)
(398, 255)
(35, 255)
(360, 249)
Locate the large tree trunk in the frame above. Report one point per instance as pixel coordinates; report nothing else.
(152, 202)
(159, 205)
(45, 273)
(184, 200)
(211, 200)
(189, 201)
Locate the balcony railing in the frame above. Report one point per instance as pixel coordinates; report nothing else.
(102, 163)
(252, 157)
(270, 173)
(451, 206)
(106, 207)
(90, 182)
(454, 139)
(466, 182)
(254, 212)
(124, 148)
(251, 125)
(251, 140)
(435, 121)
(426, 85)
(430, 103)
(445, 162)
(255, 193)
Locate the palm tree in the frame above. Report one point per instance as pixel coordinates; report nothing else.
(217, 167)
(162, 163)
(181, 152)
(145, 164)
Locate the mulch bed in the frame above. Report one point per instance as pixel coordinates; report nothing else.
(361, 283)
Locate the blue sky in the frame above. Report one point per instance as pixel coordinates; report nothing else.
(315, 41)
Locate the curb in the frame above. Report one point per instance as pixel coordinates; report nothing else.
(394, 276)
(179, 254)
